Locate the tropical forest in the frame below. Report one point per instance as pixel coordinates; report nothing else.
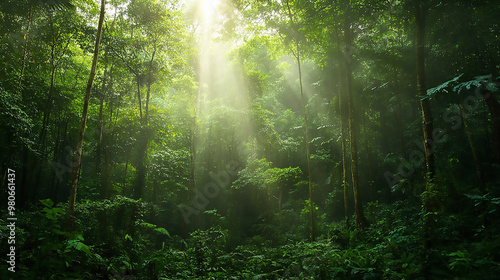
(249, 139)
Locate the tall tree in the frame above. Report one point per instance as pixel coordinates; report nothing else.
(79, 145)
(306, 123)
(343, 136)
(358, 208)
(430, 169)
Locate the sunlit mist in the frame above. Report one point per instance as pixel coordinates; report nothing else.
(221, 86)
(208, 9)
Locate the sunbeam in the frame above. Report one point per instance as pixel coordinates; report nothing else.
(208, 9)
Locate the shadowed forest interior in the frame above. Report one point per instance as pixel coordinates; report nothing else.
(245, 139)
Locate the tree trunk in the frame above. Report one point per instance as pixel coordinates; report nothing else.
(358, 208)
(149, 83)
(343, 139)
(424, 102)
(308, 150)
(306, 124)
(429, 206)
(143, 144)
(79, 146)
(102, 136)
(143, 147)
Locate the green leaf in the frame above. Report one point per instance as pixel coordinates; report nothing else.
(79, 246)
(443, 88)
(147, 225)
(162, 230)
(47, 202)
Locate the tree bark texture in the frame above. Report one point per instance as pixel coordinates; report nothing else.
(358, 208)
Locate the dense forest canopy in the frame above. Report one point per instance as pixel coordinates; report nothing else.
(245, 139)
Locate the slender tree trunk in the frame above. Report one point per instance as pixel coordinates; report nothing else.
(306, 124)
(143, 143)
(104, 91)
(422, 91)
(102, 136)
(79, 146)
(358, 208)
(429, 205)
(143, 147)
(150, 81)
(343, 139)
(308, 150)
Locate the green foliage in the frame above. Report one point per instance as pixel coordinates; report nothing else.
(454, 85)
(258, 173)
(50, 250)
(50, 212)
(148, 251)
(175, 114)
(444, 87)
(15, 124)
